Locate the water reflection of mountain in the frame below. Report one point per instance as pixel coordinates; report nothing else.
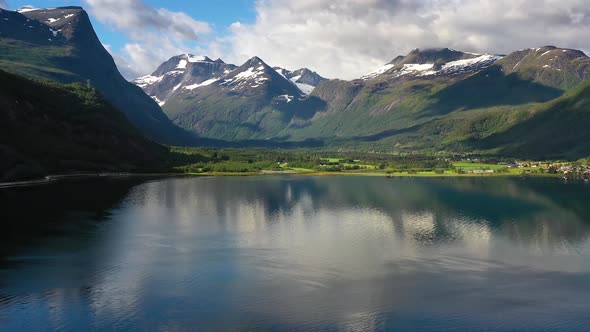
(64, 207)
(430, 210)
(352, 252)
(520, 209)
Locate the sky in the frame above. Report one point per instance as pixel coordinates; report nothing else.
(338, 39)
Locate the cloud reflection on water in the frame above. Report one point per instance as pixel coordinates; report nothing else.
(316, 253)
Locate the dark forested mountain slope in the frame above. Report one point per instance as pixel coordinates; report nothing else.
(557, 129)
(60, 44)
(53, 128)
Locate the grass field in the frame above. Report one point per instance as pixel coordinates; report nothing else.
(465, 165)
(211, 161)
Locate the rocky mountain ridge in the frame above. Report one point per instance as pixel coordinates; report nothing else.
(189, 72)
(182, 72)
(433, 62)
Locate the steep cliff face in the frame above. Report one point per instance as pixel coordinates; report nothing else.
(60, 44)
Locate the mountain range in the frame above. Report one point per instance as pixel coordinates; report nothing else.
(224, 101)
(531, 102)
(432, 99)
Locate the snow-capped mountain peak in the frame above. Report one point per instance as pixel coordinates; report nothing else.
(187, 74)
(378, 71)
(253, 72)
(434, 62)
(305, 79)
(256, 77)
(185, 59)
(26, 9)
(192, 58)
(182, 72)
(53, 26)
(255, 61)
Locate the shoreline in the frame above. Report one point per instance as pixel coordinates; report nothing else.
(55, 178)
(368, 174)
(49, 179)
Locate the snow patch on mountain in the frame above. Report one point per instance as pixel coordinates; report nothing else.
(457, 67)
(26, 9)
(470, 62)
(193, 59)
(304, 79)
(305, 88)
(412, 68)
(207, 82)
(160, 103)
(288, 98)
(251, 74)
(464, 66)
(144, 81)
(177, 87)
(182, 64)
(282, 72)
(52, 20)
(545, 53)
(378, 71)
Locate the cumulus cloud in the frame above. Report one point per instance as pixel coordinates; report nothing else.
(4, 4)
(347, 38)
(126, 67)
(155, 34)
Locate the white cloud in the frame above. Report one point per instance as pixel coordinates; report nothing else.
(125, 67)
(155, 34)
(348, 38)
(345, 38)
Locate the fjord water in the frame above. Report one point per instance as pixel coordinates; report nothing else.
(296, 253)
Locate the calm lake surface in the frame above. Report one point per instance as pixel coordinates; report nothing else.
(296, 253)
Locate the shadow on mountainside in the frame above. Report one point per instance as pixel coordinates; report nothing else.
(489, 88)
(558, 131)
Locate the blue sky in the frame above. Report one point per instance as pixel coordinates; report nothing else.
(338, 39)
(219, 13)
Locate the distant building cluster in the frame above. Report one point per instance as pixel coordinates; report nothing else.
(571, 171)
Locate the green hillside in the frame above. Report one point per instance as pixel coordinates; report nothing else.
(490, 110)
(48, 128)
(558, 129)
(551, 130)
(69, 51)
